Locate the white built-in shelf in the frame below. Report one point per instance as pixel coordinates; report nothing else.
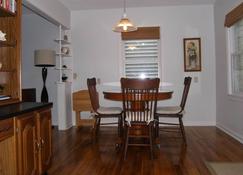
(63, 55)
(63, 42)
(63, 82)
(63, 69)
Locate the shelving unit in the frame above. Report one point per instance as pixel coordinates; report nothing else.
(63, 59)
(64, 88)
(10, 54)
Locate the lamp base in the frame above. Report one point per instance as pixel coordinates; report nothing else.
(44, 93)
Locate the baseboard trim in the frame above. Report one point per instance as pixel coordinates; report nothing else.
(198, 123)
(230, 132)
(63, 128)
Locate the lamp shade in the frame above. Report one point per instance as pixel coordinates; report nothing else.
(45, 58)
(124, 25)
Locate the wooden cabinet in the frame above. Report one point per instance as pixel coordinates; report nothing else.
(6, 128)
(7, 148)
(10, 51)
(33, 142)
(43, 123)
(27, 144)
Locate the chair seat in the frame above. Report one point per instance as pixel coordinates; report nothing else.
(169, 110)
(139, 117)
(109, 110)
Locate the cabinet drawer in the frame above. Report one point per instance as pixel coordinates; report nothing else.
(6, 128)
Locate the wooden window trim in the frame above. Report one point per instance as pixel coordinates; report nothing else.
(142, 33)
(234, 16)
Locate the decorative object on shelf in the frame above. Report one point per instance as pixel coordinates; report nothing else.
(192, 54)
(64, 77)
(124, 25)
(65, 50)
(64, 66)
(1, 65)
(8, 5)
(44, 58)
(65, 37)
(1, 89)
(2, 36)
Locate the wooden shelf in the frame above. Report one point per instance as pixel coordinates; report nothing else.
(7, 71)
(6, 13)
(7, 43)
(63, 42)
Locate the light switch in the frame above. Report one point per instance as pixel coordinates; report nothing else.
(195, 79)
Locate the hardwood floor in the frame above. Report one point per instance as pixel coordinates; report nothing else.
(75, 154)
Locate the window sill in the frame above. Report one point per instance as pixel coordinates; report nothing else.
(236, 97)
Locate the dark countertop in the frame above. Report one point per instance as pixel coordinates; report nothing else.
(15, 109)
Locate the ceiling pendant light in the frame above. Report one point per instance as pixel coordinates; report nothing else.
(124, 25)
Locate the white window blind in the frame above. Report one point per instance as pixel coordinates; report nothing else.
(141, 58)
(236, 54)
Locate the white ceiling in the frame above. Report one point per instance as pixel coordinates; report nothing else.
(108, 4)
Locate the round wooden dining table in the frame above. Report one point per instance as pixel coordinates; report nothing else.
(117, 95)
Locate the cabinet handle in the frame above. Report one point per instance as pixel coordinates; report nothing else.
(38, 146)
(42, 141)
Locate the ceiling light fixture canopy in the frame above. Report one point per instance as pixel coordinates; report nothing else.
(124, 25)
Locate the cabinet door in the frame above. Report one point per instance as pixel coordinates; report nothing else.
(27, 146)
(44, 137)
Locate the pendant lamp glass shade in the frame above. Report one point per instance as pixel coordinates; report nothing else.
(124, 25)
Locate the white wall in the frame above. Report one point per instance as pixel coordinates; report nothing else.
(53, 10)
(97, 51)
(229, 110)
(38, 33)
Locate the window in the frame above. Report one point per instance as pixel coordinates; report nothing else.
(141, 53)
(234, 22)
(141, 58)
(236, 57)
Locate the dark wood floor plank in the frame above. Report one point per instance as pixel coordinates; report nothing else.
(74, 153)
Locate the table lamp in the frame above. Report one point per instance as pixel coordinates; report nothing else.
(44, 58)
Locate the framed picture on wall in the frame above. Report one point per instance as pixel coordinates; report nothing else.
(192, 54)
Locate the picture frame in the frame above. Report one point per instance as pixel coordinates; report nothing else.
(192, 54)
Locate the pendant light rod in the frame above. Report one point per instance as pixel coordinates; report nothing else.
(124, 9)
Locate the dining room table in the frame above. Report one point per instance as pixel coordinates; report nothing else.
(116, 95)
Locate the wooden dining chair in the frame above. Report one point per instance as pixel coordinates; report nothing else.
(101, 111)
(139, 105)
(175, 111)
